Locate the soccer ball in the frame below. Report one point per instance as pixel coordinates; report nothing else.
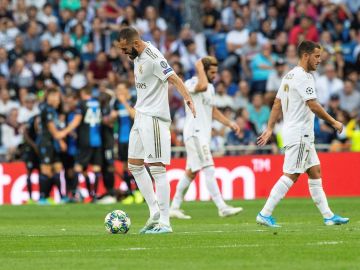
(117, 221)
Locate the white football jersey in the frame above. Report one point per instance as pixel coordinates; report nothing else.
(151, 73)
(296, 88)
(203, 102)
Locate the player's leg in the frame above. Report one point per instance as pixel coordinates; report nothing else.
(45, 183)
(126, 175)
(181, 188)
(46, 173)
(292, 168)
(96, 162)
(82, 160)
(142, 178)
(57, 168)
(317, 193)
(157, 152)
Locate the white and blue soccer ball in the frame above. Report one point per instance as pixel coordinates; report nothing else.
(117, 221)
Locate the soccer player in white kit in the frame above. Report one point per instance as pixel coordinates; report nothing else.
(296, 99)
(150, 135)
(197, 136)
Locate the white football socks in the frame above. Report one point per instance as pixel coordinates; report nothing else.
(213, 187)
(162, 192)
(181, 189)
(319, 197)
(144, 183)
(278, 192)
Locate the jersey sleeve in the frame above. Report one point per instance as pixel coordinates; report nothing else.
(191, 84)
(50, 115)
(162, 69)
(306, 89)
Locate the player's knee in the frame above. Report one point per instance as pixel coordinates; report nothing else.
(156, 170)
(136, 169)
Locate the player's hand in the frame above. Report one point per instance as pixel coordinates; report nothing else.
(199, 64)
(235, 128)
(60, 135)
(264, 137)
(338, 126)
(63, 146)
(191, 106)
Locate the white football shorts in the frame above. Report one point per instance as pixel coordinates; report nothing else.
(198, 154)
(300, 157)
(150, 139)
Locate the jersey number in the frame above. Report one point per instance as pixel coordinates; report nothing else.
(92, 117)
(286, 90)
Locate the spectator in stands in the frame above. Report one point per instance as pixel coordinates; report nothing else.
(20, 75)
(47, 16)
(241, 98)
(228, 80)
(131, 18)
(6, 104)
(78, 79)
(80, 19)
(18, 51)
(274, 81)
(189, 57)
(45, 78)
(228, 14)
(249, 51)
(350, 98)
(8, 33)
(30, 63)
(4, 63)
(12, 132)
(99, 37)
(100, 70)
(259, 113)
(58, 65)
(52, 35)
(306, 30)
(235, 41)
(328, 84)
(79, 37)
(68, 51)
(245, 137)
(32, 38)
(20, 12)
(151, 16)
(280, 44)
(262, 65)
(29, 109)
(222, 99)
(211, 18)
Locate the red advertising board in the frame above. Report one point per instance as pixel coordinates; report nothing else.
(243, 177)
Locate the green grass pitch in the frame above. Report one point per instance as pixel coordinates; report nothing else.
(73, 237)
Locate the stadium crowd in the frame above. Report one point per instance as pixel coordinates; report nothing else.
(68, 44)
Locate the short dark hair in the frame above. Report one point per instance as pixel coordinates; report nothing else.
(307, 46)
(129, 34)
(86, 90)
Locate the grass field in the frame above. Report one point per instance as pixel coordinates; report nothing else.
(73, 237)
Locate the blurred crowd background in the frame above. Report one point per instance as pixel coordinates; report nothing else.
(69, 44)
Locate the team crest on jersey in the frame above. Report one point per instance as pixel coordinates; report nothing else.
(309, 91)
(141, 69)
(163, 64)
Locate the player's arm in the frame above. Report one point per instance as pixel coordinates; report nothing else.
(219, 116)
(180, 86)
(123, 100)
(29, 141)
(70, 127)
(317, 109)
(57, 135)
(203, 82)
(274, 116)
